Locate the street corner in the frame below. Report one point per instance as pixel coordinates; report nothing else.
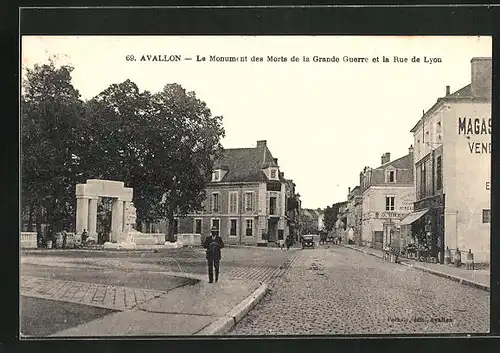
(44, 317)
(203, 298)
(226, 323)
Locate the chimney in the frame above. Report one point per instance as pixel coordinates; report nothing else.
(481, 77)
(275, 160)
(447, 90)
(261, 143)
(386, 157)
(349, 190)
(410, 149)
(361, 178)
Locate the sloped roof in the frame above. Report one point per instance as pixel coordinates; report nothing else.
(245, 164)
(463, 93)
(355, 190)
(404, 162)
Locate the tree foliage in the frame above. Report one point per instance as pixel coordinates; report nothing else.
(162, 145)
(51, 112)
(331, 214)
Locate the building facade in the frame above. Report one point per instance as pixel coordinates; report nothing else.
(312, 221)
(387, 197)
(246, 199)
(452, 168)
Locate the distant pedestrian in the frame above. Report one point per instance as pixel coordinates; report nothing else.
(213, 243)
(288, 242)
(64, 237)
(84, 236)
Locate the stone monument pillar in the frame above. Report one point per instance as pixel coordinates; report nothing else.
(92, 222)
(82, 213)
(117, 220)
(87, 196)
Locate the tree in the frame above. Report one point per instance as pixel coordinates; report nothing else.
(51, 112)
(183, 143)
(162, 145)
(118, 125)
(331, 214)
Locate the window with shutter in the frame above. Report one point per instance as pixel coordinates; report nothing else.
(233, 223)
(215, 202)
(486, 216)
(249, 202)
(197, 226)
(249, 228)
(233, 202)
(389, 203)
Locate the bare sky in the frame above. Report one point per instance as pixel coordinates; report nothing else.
(323, 121)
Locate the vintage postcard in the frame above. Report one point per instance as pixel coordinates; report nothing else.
(255, 185)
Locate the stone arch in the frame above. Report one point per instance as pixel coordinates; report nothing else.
(87, 196)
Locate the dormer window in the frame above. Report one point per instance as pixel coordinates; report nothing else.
(216, 175)
(390, 176)
(273, 173)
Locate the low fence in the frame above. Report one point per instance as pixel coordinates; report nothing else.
(188, 239)
(29, 240)
(71, 241)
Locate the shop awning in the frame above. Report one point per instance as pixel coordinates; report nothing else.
(412, 217)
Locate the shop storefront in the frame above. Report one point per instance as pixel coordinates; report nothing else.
(422, 231)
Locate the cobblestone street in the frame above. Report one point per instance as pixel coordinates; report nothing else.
(260, 264)
(341, 291)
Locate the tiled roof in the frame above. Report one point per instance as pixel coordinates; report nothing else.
(404, 162)
(462, 92)
(245, 164)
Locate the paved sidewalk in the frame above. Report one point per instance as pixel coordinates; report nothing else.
(202, 308)
(187, 310)
(99, 295)
(475, 278)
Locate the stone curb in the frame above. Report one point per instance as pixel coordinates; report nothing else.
(226, 323)
(460, 280)
(363, 251)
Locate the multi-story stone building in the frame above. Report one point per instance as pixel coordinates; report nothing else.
(246, 198)
(387, 197)
(452, 168)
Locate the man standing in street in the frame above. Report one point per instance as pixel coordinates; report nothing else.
(213, 243)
